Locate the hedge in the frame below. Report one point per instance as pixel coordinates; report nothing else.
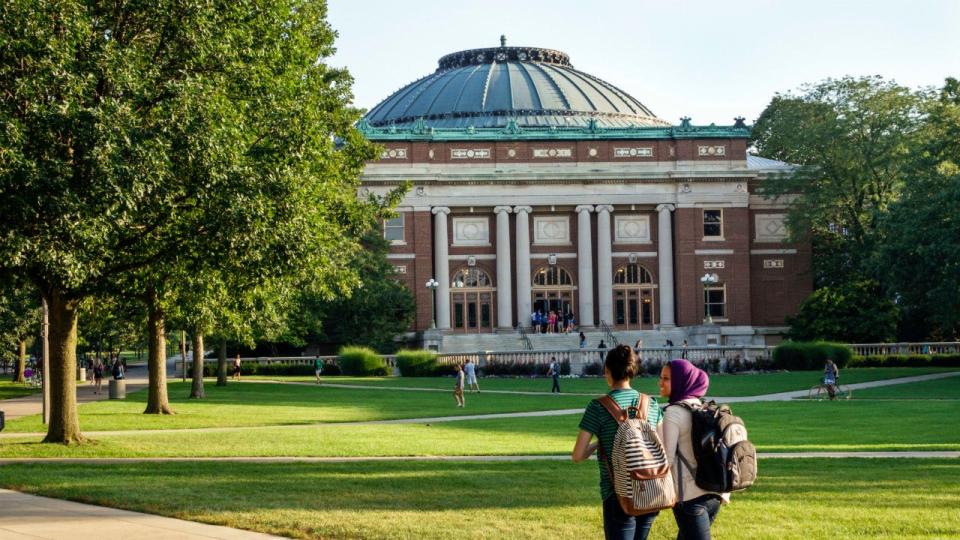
(812, 355)
(904, 360)
(525, 369)
(361, 361)
(420, 363)
(273, 368)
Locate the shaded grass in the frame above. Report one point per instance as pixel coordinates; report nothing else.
(773, 427)
(794, 499)
(720, 385)
(252, 404)
(10, 390)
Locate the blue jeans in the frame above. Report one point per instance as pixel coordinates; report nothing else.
(556, 384)
(695, 516)
(619, 526)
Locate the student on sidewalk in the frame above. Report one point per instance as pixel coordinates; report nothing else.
(97, 376)
(236, 368)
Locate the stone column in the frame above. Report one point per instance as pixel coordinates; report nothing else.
(665, 258)
(604, 264)
(585, 265)
(523, 264)
(441, 266)
(504, 283)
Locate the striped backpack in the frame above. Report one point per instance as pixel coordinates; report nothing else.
(638, 466)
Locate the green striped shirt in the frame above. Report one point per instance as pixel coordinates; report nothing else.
(597, 420)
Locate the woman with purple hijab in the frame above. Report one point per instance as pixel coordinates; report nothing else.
(684, 384)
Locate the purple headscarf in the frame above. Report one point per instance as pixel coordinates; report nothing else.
(687, 381)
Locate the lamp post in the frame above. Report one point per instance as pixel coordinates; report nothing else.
(707, 280)
(432, 285)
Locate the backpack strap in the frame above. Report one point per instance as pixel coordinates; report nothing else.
(619, 414)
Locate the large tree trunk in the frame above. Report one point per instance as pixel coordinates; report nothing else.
(18, 376)
(64, 426)
(157, 402)
(222, 363)
(196, 391)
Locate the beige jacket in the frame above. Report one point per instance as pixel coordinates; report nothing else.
(675, 431)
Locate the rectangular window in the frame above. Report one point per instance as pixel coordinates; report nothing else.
(715, 301)
(713, 223)
(393, 230)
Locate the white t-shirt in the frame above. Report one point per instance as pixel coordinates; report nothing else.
(471, 371)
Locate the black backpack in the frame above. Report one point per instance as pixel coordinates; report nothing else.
(726, 460)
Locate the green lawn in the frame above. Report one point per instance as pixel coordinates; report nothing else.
(774, 427)
(720, 385)
(252, 404)
(939, 389)
(9, 390)
(794, 499)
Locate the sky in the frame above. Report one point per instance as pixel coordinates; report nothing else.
(709, 60)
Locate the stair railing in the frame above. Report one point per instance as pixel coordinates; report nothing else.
(524, 338)
(608, 333)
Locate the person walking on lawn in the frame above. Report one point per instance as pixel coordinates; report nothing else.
(458, 386)
(98, 376)
(236, 368)
(471, 371)
(619, 367)
(554, 371)
(318, 367)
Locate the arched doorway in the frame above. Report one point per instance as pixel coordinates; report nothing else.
(633, 298)
(552, 290)
(472, 298)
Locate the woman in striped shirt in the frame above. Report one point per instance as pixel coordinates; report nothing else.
(619, 367)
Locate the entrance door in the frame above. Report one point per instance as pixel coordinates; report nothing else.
(471, 296)
(633, 294)
(552, 291)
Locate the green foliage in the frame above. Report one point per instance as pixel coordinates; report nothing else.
(420, 363)
(795, 355)
(19, 315)
(361, 361)
(854, 312)
(903, 360)
(272, 369)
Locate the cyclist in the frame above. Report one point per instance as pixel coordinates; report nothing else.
(831, 375)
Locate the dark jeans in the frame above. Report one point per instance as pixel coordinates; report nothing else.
(695, 516)
(556, 384)
(619, 526)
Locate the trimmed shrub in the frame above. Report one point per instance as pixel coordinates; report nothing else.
(420, 363)
(523, 369)
(593, 368)
(361, 361)
(272, 369)
(812, 355)
(902, 360)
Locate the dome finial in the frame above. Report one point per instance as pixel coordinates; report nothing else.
(503, 40)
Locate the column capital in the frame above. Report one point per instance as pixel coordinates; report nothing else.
(584, 208)
(505, 209)
(667, 207)
(440, 210)
(604, 208)
(518, 209)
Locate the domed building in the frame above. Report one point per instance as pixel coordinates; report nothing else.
(538, 187)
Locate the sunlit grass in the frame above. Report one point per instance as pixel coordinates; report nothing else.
(10, 390)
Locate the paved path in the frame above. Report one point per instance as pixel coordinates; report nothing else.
(25, 517)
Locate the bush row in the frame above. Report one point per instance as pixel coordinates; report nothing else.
(906, 360)
(421, 363)
(810, 355)
(525, 369)
(361, 361)
(253, 368)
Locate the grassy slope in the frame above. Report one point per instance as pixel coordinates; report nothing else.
(720, 385)
(774, 427)
(795, 499)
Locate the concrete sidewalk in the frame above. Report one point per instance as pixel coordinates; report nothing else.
(25, 516)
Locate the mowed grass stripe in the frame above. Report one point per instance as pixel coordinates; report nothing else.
(773, 427)
(795, 499)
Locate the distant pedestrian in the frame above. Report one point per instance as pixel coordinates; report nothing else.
(236, 368)
(535, 321)
(471, 371)
(97, 376)
(602, 345)
(583, 341)
(458, 386)
(318, 367)
(551, 322)
(554, 371)
(683, 352)
(117, 369)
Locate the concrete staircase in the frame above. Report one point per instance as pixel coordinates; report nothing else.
(511, 341)
(468, 343)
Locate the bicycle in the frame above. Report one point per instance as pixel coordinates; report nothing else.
(820, 391)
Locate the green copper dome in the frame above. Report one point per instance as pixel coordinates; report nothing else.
(487, 88)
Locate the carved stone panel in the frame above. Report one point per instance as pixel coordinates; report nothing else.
(631, 229)
(643, 151)
(471, 231)
(703, 151)
(469, 153)
(770, 228)
(551, 230)
(552, 152)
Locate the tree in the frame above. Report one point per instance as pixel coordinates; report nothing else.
(922, 230)
(133, 135)
(19, 321)
(854, 312)
(850, 139)
(373, 314)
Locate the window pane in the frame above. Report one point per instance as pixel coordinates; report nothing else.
(715, 296)
(712, 225)
(393, 229)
